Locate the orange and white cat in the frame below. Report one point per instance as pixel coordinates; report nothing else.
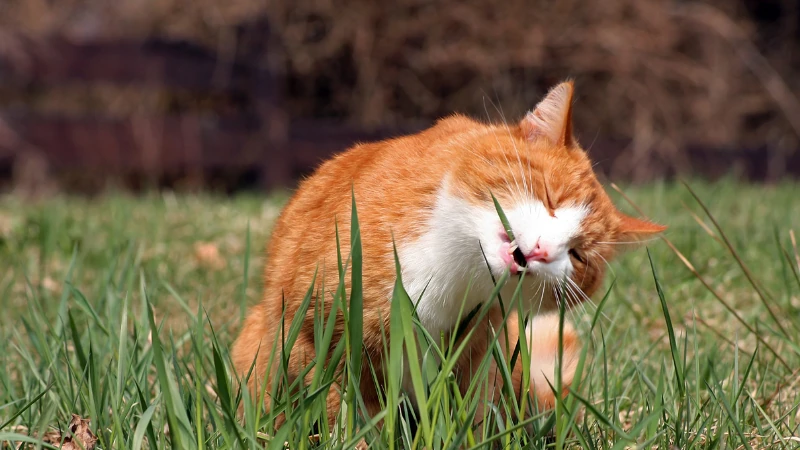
(430, 194)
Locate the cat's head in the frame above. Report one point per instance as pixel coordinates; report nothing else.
(564, 224)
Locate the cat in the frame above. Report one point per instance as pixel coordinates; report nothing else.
(431, 195)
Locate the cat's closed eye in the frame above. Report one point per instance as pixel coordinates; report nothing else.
(575, 254)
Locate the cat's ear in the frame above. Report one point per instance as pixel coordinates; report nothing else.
(633, 231)
(552, 117)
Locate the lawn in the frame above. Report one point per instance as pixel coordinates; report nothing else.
(711, 365)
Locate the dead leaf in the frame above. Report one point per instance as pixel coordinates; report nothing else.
(207, 254)
(78, 435)
(51, 284)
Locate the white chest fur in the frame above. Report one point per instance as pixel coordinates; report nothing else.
(449, 268)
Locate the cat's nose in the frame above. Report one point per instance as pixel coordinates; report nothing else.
(540, 253)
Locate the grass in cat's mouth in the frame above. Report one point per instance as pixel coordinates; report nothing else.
(519, 258)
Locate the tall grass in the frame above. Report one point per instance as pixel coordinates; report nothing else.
(144, 352)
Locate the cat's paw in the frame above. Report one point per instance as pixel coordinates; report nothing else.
(542, 333)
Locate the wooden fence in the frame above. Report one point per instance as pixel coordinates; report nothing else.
(256, 138)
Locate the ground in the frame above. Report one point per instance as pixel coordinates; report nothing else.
(75, 336)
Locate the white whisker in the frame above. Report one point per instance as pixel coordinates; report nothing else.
(601, 257)
(629, 242)
(589, 300)
(541, 297)
(524, 175)
(574, 295)
(516, 182)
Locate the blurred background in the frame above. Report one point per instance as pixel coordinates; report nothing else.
(252, 94)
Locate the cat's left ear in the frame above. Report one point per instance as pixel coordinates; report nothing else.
(633, 231)
(552, 117)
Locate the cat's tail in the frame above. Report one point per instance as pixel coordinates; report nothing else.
(543, 338)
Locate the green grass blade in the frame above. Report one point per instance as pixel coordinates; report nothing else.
(180, 428)
(18, 438)
(676, 361)
(355, 311)
(141, 428)
(503, 218)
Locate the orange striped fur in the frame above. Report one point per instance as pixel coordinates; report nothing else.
(430, 193)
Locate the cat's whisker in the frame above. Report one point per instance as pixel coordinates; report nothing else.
(557, 292)
(516, 150)
(575, 301)
(542, 286)
(595, 252)
(499, 145)
(643, 241)
(569, 301)
(541, 297)
(578, 290)
(532, 302)
(588, 265)
(588, 300)
(519, 190)
(525, 176)
(481, 157)
(576, 298)
(490, 163)
(539, 287)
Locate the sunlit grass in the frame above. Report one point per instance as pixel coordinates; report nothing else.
(123, 310)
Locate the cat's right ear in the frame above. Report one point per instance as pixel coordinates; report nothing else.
(552, 117)
(632, 232)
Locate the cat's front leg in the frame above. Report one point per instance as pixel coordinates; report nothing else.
(543, 341)
(542, 334)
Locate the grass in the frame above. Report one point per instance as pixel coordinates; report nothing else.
(123, 310)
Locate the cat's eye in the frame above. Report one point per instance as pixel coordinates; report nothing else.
(574, 253)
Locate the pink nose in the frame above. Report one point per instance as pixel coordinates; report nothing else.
(539, 253)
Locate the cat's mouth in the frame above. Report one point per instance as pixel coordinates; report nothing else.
(519, 258)
(513, 258)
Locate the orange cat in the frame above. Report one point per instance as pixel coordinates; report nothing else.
(430, 192)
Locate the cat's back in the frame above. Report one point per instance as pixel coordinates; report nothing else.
(383, 175)
(394, 182)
